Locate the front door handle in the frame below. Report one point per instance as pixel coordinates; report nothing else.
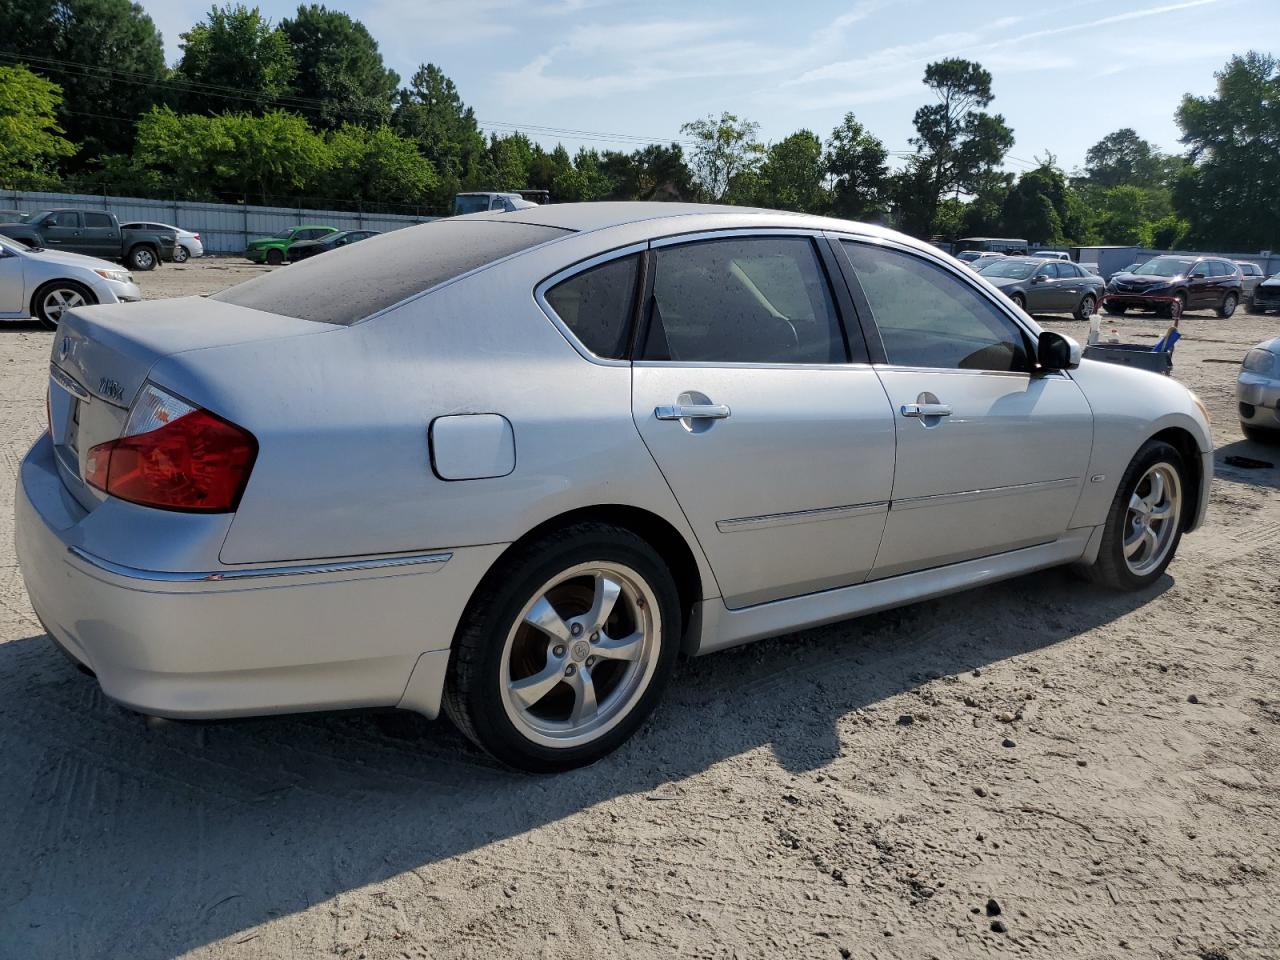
(926, 410)
(692, 411)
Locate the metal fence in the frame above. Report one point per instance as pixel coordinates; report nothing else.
(223, 227)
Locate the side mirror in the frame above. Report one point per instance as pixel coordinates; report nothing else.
(1199, 276)
(1039, 278)
(48, 222)
(1056, 352)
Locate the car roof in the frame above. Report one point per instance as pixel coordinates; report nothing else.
(596, 216)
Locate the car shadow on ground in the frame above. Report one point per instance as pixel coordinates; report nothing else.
(1259, 476)
(124, 840)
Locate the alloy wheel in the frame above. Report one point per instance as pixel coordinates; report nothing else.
(59, 300)
(1151, 522)
(581, 654)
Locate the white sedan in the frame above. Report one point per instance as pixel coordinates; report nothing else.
(189, 244)
(45, 283)
(515, 463)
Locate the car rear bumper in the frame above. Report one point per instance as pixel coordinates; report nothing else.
(241, 641)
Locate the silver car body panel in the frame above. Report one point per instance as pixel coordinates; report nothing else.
(336, 550)
(24, 271)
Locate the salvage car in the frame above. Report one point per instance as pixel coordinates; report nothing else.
(46, 283)
(1040, 285)
(274, 250)
(1258, 392)
(1189, 283)
(93, 233)
(510, 466)
(302, 249)
(1266, 296)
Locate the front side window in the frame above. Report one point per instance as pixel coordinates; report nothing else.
(743, 300)
(929, 318)
(66, 218)
(1048, 270)
(597, 303)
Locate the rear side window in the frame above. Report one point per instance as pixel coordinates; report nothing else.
(362, 278)
(596, 305)
(748, 300)
(97, 221)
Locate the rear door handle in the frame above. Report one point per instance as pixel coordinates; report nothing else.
(926, 410)
(692, 411)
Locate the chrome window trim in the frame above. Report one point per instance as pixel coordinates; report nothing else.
(540, 297)
(434, 560)
(753, 230)
(747, 365)
(801, 516)
(960, 272)
(987, 493)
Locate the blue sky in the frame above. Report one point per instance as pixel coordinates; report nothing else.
(1066, 72)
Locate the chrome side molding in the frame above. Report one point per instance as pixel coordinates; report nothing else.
(430, 560)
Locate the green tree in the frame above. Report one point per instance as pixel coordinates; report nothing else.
(983, 216)
(431, 113)
(275, 155)
(376, 165)
(1124, 158)
(956, 142)
(654, 172)
(339, 65)
(106, 55)
(234, 60)
(1230, 193)
(1123, 217)
(30, 139)
(857, 164)
(793, 174)
(1038, 207)
(725, 150)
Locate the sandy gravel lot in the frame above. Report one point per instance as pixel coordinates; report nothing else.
(841, 792)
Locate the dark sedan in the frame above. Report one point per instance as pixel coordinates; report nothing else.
(309, 248)
(1266, 296)
(1040, 285)
(1195, 283)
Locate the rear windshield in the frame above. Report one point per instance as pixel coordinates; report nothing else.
(360, 279)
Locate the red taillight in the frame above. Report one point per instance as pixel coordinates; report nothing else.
(196, 235)
(196, 462)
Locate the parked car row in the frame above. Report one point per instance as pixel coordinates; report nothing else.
(298, 243)
(1043, 285)
(95, 233)
(1167, 282)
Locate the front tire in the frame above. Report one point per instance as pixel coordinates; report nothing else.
(1144, 524)
(565, 648)
(1228, 305)
(142, 258)
(275, 257)
(55, 298)
(1259, 434)
(1019, 301)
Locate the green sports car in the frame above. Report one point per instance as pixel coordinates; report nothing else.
(275, 248)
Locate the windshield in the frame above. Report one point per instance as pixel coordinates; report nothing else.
(283, 234)
(1013, 269)
(1164, 267)
(12, 246)
(463, 205)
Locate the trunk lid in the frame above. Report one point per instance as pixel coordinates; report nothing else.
(102, 356)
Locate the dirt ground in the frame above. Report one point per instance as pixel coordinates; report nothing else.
(1036, 769)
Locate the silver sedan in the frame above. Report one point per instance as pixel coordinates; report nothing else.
(1258, 392)
(511, 465)
(45, 283)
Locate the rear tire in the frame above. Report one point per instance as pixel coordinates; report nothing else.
(142, 258)
(181, 254)
(1228, 306)
(1144, 524)
(530, 680)
(275, 257)
(57, 296)
(1086, 308)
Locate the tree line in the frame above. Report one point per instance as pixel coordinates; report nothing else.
(305, 111)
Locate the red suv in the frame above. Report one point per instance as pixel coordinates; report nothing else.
(1198, 283)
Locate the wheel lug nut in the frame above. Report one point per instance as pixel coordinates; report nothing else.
(569, 670)
(576, 629)
(558, 650)
(591, 661)
(595, 638)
